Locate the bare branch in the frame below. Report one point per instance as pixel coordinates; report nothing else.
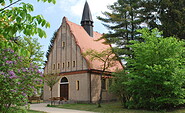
(10, 5)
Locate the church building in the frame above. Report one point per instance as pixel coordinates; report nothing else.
(79, 76)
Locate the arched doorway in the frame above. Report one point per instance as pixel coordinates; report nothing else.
(64, 87)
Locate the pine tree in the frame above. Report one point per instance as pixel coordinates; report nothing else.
(166, 15)
(122, 22)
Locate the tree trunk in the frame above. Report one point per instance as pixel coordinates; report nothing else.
(101, 87)
(99, 101)
(51, 95)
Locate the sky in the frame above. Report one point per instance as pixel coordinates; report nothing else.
(72, 9)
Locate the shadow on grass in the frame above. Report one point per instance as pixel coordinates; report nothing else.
(113, 107)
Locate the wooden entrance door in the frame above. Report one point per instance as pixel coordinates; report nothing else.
(64, 90)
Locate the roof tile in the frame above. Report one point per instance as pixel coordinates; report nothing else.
(85, 42)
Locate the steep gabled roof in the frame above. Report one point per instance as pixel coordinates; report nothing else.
(85, 42)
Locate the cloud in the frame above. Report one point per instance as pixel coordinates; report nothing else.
(75, 7)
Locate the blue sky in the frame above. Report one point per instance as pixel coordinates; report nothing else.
(72, 9)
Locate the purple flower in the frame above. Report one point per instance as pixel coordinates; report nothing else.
(5, 57)
(24, 94)
(12, 51)
(39, 71)
(23, 69)
(13, 90)
(12, 74)
(37, 67)
(41, 75)
(18, 83)
(9, 62)
(19, 57)
(18, 70)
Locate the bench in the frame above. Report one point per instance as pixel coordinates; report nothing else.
(59, 99)
(36, 98)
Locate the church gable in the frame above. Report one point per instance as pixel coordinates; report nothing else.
(70, 43)
(65, 54)
(86, 42)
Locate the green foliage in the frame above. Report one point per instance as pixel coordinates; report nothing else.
(118, 87)
(4, 44)
(156, 72)
(50, 80)
(106, 57)
(51, 44)
(126, 16)
(166, 15)
(33, 47)
(20, 54)
(18, 20)
(123, 21)
(18, 79)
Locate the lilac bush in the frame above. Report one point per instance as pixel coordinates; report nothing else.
(19, 78)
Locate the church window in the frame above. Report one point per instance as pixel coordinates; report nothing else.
(67, 64)
(53, 66)
(58, 66)
(64, 81)
(63, 65)
(63, 44)
(77, 85)
(104, 84)
(74, 63)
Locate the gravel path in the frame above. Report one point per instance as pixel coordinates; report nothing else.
(42, 107)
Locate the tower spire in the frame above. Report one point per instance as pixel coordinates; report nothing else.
(87, 22)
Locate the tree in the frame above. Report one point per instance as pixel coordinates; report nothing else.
(18, 20)
(51, 80)
(156, 72)
(33, 47)
(118, 87)
(166, 15)
(19, 73)
(107, 58)
(51, 44)
(123, 21)
(18, 79)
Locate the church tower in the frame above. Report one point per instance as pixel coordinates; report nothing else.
(87, 22)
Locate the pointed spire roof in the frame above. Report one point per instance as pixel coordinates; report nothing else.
(86, 13)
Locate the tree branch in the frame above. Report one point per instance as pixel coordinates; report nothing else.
(10, 5)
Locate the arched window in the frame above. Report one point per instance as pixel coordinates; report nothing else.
(64, 81)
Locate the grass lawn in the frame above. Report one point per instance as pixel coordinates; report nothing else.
(23, 110)
(113, 107)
